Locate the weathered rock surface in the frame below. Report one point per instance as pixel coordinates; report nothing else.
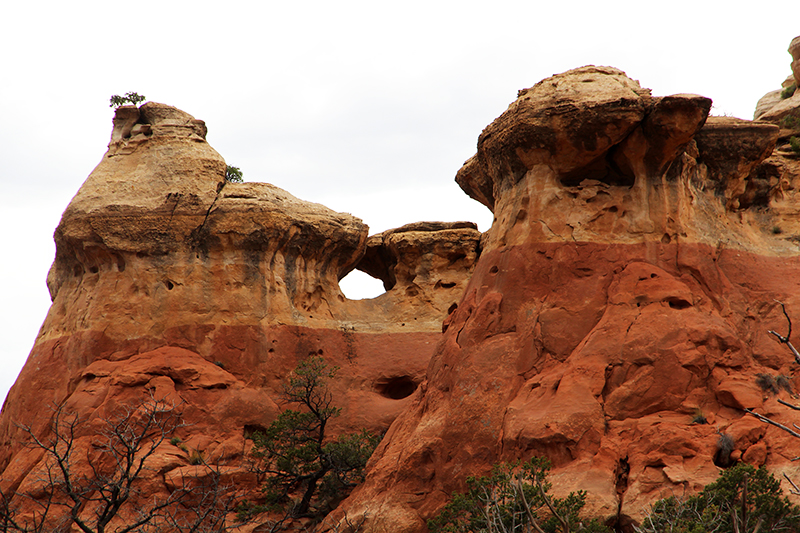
(767, 102)
(632, 272)
(628, 282)
(772, 107)
(794, 50)
(171, 280)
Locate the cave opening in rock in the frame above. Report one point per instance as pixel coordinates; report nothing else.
(250, 429)
(396, 388)
(359, 285)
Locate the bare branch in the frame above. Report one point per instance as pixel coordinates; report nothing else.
(796, 490)
(785, 340)
(126, 445)
(769, 421)
(787, 404)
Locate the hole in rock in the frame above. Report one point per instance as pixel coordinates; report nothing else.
(493, 270)
(250, 429)
(444, 284)
(396, 388)
(169, 285)
(94, 269)
(359, 285)
(679, 303)
(603, 170)
(452, 308)
(725, 446)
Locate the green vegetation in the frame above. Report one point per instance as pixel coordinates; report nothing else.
(794, 142)
(129, 98)
(306, 472)
(790, 122)
(234, 174)
(514, 498)
(743, 500)
(788, 92)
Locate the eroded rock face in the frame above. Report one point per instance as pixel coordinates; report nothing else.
(773, 107)
(627, 284)
(170, 281)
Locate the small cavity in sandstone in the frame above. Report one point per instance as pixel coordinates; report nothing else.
(396, 388)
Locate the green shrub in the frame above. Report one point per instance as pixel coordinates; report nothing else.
(790, 122)
(794, 142)
(743, 499)
(129, 98)
(175, 441)
(234, 174)
(788, 92)
(514, 498)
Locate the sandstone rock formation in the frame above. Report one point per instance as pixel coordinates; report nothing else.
(168, 280)
(773, 106)
(627, 284)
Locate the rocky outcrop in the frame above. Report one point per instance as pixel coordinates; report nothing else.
(424, 261)
(775, 105)
(767, 102)
(169, 280)
(626, 286)
(622, 298)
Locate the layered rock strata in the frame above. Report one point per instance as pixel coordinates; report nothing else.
(168, 281)
(623, 297)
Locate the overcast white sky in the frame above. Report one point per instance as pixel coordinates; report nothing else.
(367, 107)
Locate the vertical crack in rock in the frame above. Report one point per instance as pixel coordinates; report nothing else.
(621, 486)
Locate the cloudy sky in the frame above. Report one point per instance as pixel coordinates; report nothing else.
(367, 107)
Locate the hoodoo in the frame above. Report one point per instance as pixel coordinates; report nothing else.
(168, 281)
(627, 286)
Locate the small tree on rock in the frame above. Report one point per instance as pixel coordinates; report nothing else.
(296, 455)
(129, 98)
(234, 174)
